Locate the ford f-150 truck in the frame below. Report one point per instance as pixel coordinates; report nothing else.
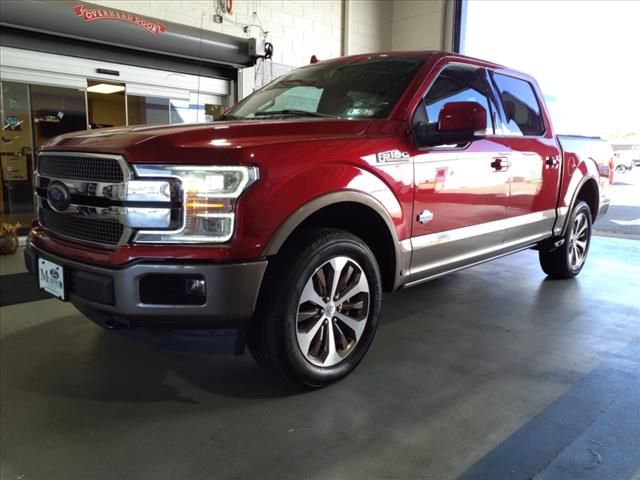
(287, 218)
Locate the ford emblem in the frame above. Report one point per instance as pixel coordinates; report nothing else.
(58, 196)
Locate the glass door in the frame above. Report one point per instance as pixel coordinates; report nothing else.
(16, 155)
(55, 111)
(147, 110)
(31, 116)
(106, 104)
(197, 108)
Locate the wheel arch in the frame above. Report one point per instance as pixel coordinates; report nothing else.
(357, 213)
(589, 192)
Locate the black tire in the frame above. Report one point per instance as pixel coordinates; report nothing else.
(273, 335)
(560, 262)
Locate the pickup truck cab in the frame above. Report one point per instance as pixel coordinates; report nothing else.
(288, 217)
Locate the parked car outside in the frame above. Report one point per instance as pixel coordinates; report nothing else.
(626, 156)
(622, 161)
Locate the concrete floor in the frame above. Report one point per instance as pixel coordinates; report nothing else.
(11, 264)
(459, 364)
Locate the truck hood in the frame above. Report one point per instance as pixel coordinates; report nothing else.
(203, 143)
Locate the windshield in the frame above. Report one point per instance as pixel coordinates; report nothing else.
(356, 89)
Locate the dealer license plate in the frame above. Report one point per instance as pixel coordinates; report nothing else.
(51, 277)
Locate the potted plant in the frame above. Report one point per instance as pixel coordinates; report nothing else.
(9, 238)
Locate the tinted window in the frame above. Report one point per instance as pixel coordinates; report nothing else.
(520, 106)
(458, 84)
(347, 89)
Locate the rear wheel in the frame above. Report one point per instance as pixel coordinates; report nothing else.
(567, 260)
(319, 311)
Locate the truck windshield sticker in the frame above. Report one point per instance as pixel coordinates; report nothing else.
(93, 14)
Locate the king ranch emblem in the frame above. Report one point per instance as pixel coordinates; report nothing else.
(93, 14)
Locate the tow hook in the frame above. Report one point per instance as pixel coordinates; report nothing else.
(559, 243)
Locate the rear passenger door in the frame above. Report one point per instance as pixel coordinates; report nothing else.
(535, 159)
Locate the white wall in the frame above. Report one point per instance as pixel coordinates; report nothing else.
(368, 26)
(418, 25)
(375, 25)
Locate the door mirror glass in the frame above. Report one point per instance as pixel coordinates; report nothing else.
(458, 122)
(465, 117)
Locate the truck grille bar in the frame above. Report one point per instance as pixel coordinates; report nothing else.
(89, 168)
(88, 230)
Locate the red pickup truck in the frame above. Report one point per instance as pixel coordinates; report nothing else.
(289, 216)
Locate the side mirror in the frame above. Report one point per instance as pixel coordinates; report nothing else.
(458, 122)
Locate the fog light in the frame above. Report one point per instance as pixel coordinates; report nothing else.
(196, 286)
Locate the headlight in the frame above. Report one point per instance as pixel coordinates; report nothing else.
(209, 200)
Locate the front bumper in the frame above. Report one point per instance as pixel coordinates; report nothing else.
(231, 290)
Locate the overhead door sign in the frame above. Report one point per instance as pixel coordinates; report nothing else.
(93, 14)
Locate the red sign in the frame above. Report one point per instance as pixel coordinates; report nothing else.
(93, 14)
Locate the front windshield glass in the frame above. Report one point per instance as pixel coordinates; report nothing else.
(356, 89)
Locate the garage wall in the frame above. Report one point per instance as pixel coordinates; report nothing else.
(368, 25)
(302, 28)
(298, 29)
(418, 24)
(375, 25)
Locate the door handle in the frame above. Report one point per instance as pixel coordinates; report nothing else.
(500, 164)
(553, 161)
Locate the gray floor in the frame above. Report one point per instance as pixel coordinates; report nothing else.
(12, 264)
(458, 366)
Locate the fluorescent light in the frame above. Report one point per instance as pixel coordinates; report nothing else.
(105, 88)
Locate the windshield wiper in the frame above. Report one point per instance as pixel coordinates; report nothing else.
(228, 117)
(290, 111)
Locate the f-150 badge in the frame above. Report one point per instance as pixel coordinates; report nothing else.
(392, 156)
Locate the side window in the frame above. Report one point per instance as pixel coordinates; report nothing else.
(459, 84)
(520, 106)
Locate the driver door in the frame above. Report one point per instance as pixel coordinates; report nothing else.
(461, 191)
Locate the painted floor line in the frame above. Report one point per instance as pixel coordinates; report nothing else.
(557, 437)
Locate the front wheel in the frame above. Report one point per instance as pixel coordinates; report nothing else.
(319, 311)
(567, 260)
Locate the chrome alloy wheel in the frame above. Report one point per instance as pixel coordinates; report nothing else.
(578, 241)
(332, 312)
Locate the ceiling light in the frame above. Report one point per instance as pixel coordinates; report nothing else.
(105, 88)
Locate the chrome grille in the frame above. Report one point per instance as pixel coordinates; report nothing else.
(75, 167)
(98, 201)
(106, 232)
